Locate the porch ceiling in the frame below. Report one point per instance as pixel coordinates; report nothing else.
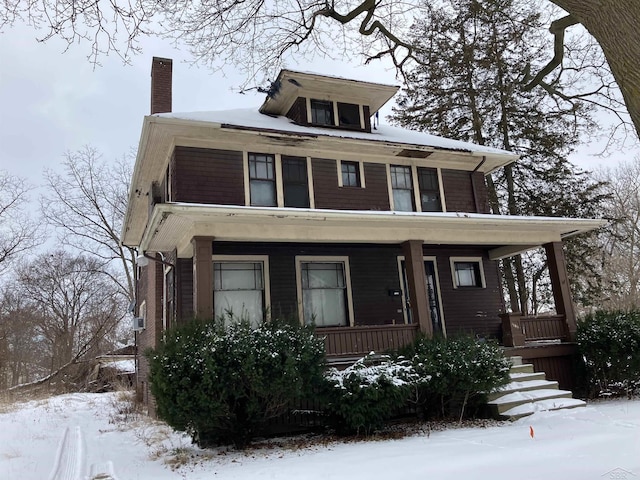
(173, 225)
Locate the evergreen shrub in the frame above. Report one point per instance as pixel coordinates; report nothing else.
(609, 344)
(458, 372)
(221, 384)
(364, 396)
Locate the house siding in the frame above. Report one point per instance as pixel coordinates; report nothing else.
(208, 176)
(469, 310)
(458, 191)
(374, 274)
(298, 111)
(367, 118)
(329, 195)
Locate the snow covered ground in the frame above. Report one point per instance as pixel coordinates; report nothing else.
(81, 436)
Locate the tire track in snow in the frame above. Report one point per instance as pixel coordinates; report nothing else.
(68, 464)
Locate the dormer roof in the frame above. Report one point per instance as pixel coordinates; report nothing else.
(291, 84)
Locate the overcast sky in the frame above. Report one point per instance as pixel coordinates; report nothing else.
(53, 101)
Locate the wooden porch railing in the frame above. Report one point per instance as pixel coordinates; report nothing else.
(517, 329)
(364, 339)
(544, 328)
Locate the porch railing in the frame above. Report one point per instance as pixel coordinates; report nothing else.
(364, 339)
(517, 330)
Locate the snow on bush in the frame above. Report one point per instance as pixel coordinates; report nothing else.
(221, 384)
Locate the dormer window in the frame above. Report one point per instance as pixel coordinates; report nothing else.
(349, 115)
(322, 112)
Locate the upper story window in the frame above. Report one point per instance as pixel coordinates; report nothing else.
(350, 174)
(322, 112)
(429, 189)
(262, 180)
(402, 187)
(349, 115)
(295, 182)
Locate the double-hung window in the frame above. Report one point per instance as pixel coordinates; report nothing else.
(295, 182)
(262, 180)
(350, 174)
(239, 290)
(324, 288)
(429, 189)
(349, 115)
(402, 187)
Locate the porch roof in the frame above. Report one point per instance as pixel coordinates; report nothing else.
(173, 225)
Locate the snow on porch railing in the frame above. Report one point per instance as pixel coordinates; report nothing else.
(365, 339)
(517, 329)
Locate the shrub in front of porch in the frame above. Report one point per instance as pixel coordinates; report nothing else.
(461, 370)
(222, 384)
(609, 344)
(363, 397)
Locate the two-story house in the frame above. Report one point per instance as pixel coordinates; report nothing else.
(304, 208)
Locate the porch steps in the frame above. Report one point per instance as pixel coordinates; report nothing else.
(527, 393)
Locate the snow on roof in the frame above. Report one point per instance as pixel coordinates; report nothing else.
(251, 118)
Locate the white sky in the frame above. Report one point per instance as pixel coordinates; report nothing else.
(52, 102)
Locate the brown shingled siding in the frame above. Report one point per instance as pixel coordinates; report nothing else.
(458, 191)
(329, 195)
(208, 176)
(298, 111)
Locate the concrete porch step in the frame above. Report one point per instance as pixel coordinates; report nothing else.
(511, 400)
(522, 386)
(527, 393)
(530, 408)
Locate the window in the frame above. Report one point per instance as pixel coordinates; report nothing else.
(467, 272)
(239, 288)
(324, 290)
(349, 115)
(350, 174)
(402, 187)
(429, 189)
(322, 112)
(262, 180)
(295, 183)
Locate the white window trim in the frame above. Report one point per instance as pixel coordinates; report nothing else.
(478, 260)
(360, 168)
(415, 184)
(320, 259)
(433, 259)
(279, 178)
(250, 259)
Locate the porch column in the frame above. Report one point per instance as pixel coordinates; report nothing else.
(416, 279)
(202, 277)
(560, 285)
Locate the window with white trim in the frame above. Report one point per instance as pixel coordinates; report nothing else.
(467, 272)
(350, 174)
(239, 290)
(429, 189)
(262, 180)
(323, 289)
(402, 187)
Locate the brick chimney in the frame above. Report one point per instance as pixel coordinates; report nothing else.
(161, 78)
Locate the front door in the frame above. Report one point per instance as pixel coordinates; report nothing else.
(433, 295)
